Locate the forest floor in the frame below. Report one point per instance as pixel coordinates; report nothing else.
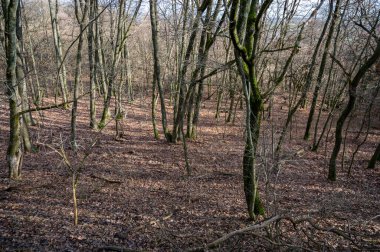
(134, 192)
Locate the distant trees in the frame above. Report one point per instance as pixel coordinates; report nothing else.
(355, 69)
(61, 66)
(119, 29)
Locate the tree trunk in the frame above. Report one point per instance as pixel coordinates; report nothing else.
(58, 49)
(90, 40)
(375, 157)
(309, 79)
(346, 112)
(322, 67)
(14, 152)
(157, 73)
(74, 111)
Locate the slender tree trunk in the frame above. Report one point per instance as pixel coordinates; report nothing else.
(74, 184)
(178, 88)
(25, 118)
(183, 96)
(121, 37)
(74, 111)
(99, 66)
(322, 67)
(309, 79)
(90, 40)
(157, 73)
(37, 89)
(114, 64)
(254, 105)
(34, 85)
(346, 112)
(58, 49)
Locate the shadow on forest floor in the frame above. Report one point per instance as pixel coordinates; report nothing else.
(134, 192)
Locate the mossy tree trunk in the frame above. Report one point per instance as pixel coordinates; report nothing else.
(21, 73)
(210, 29)
(14, 152)
(23, 99)
(254, 103)
(245, 26)
(246, 19)
(156, 70)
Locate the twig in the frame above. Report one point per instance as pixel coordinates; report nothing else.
(48, 107)
(107, 180)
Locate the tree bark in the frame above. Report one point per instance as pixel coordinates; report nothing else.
(74, 111)
(90, 40)
(14, 152)
(157, 73)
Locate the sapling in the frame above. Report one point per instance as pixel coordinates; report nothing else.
(74, 169)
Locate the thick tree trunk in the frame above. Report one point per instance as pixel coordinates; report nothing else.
(14, 152)
(254, 110)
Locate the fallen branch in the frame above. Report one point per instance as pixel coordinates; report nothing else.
(219, 241)
(106, 179)
(354, 238)
(116, 249)
(60, 105)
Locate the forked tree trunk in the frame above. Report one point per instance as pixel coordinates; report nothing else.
(347, 110)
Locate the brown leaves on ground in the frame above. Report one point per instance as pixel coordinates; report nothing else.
(134, 193)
